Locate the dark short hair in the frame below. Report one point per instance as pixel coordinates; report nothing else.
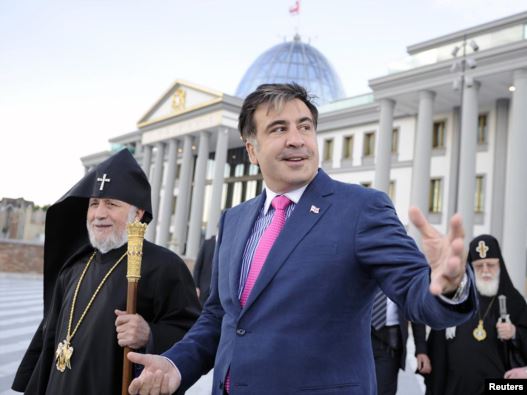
(276, 95)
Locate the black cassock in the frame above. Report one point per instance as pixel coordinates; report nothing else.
(461, 365)
(166, 300)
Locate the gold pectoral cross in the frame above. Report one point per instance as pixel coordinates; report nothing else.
(479, 333)
(63, 355)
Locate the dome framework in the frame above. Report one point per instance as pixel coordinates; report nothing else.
(294, 61)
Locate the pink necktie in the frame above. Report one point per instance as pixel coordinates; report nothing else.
(265, 244)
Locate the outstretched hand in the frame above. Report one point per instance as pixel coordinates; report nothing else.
(445, 253)
(159, 376)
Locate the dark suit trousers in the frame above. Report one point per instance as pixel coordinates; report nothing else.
(387, 349)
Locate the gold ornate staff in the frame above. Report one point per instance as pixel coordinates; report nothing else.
(136, 235)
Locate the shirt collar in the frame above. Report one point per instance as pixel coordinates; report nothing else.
(294, 196)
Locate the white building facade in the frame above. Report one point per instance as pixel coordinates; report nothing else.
(445, 130)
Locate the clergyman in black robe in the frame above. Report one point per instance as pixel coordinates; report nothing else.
(167, 303)
(464, 356)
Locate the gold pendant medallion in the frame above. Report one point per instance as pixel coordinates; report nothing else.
(63, 355)
(480, 333)
(64, 349)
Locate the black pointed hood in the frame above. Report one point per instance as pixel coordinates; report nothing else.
(118, 177)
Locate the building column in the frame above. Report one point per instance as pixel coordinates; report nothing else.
(515, 221)
(165, 216)
(220, 159)
(383, 152)
(147, 159)
(182, 205)
(467, 163)
(454, 163)
(499, 172)
(198, 194)
(422, 152)
(156, 188)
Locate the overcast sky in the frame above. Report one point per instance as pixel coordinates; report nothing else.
(75, 73)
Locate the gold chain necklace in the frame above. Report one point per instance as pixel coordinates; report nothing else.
(64, 349)
(479, 332)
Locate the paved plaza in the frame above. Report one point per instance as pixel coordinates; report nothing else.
(21, 312)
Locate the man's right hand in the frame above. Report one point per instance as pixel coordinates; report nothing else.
(159, 376)
(444, 253)
(424, 365)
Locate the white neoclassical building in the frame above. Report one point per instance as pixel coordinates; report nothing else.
(445, 130)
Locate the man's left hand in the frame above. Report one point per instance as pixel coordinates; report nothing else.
(445, 253)
(132, 330)
(506, 330)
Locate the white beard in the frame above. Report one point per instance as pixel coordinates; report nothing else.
(488, 288)
(485, 288)
(113, 241)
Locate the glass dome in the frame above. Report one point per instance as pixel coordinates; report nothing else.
(294, 61)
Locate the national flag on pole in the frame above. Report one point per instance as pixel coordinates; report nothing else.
(295, 10)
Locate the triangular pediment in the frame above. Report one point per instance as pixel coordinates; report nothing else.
(182, 97)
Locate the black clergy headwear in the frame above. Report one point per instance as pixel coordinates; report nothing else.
(483, 247)
(118, 177)
(488, 246)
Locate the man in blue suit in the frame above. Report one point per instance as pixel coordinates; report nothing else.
(302, 323)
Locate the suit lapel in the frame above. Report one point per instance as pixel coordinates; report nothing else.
(297, 226)
(240, 235)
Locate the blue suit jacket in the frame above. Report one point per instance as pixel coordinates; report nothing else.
(306, 325)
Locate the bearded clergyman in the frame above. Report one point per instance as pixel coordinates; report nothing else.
(489, 344)
(78, 347)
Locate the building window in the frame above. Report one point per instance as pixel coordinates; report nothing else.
(206, 204)
(391, 190)
(482, 129)
(395, 140)
(224, 196)
(251, 189)
(328, 150)
(369, 144)
(237, 194)
(239, 170)
(434, 204)
(438, 134)
(178, 171)
(210, 169)
(174, 204)
(479, 195)
(347, 148)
